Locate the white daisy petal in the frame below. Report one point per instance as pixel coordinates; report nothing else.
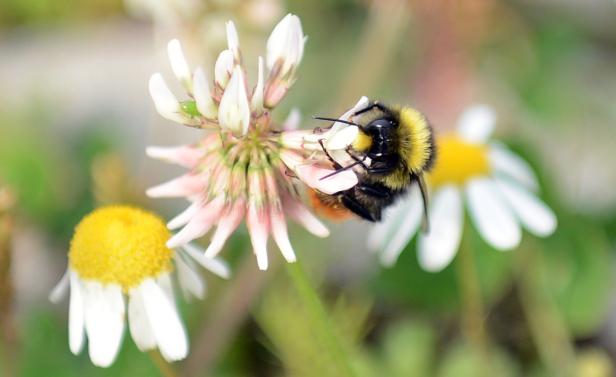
(165, 322)
(506, 163)
(408, 220)
(491, 215)
(139, 323)
(535, 216)
(476, 124)
(190, 281)
(104, 319)
(59, 291)
(437, 248)
(214, 265)
(76, 316)
(164, 282)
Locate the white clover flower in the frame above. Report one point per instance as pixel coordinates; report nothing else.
(245, 167)
(119, 252)
(498, 188)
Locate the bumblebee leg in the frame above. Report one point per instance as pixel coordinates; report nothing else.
(331, 159)
(357, 208)
(376, 191)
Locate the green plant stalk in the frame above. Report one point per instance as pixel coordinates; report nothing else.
(473, 315)
(546, 326)
(165, 369)
(319, 319)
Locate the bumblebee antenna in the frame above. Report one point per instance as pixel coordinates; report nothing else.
(425, 223)
(337, 120)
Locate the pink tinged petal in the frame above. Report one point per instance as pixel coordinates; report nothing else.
(184, 217)
(76, 315)
(257, 222)
(216, 266)
(179, 66)
(165, 102)
(286, 44)
(104, 320)
(302, 215)
(398, 227)
(184, 155)
(199, 225)
(186, 185)
(59, 291)
(491, 214)
(293, 120)
(223, 68)
(191, 283)
(138, 323)
(508, 164)
(256, 102)
(226, 226)
(281, 236)
(203, 96)
(274, 93)
(313, 176)
(342, 138)
(165, 321)
(476, 124)
(534, 215)
(234, 111)
(437, 248)
(233, 41)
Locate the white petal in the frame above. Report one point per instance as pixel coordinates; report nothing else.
(233, 40)
(214, 265)
(164, 282)
(104, 317)
(76, 316)
(406, 221)
(203, 97)
(165, 321)
(537, 217)
(437, 248)
(184, 217)
(281, 236)
(286, 42)
(190, 281)
(223, 68)
(234, 110)
(59, 291)
(476, 124)
(362, 103)
(256, 102)
(506, 163)
(178, 63)
(342, 138)
(491, 215)
(165, 102)
(139, 323)
(293, 120)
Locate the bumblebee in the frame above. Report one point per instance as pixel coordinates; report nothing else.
(398, 142)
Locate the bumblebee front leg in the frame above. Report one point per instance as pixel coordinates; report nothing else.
(370, 107)
(353, 205)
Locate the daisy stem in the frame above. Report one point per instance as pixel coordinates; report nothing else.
(320, 321)
(165, 369)
(545, 323)
(473, 315)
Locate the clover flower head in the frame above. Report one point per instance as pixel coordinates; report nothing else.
(498, 188)
(246, 166)
(119, 252)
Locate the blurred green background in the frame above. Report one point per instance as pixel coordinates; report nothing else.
(75, 117)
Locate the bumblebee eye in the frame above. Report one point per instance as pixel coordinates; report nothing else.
(380, 123)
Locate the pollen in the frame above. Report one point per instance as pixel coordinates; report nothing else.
(458, 161)
(120, 244)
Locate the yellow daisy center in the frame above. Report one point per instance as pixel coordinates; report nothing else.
(458, 160)
(120, 244)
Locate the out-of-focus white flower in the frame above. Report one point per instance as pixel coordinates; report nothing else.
(119, 252)
(497, 186)
(246, 167)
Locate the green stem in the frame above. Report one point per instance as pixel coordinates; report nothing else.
(165, 369)
(546, 326)
(319, 319)
(473, 315)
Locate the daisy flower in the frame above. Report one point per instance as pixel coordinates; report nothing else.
(246, 166)
(118, 253)
(498, 188)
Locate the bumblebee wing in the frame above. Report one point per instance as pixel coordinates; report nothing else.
(425, 222)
